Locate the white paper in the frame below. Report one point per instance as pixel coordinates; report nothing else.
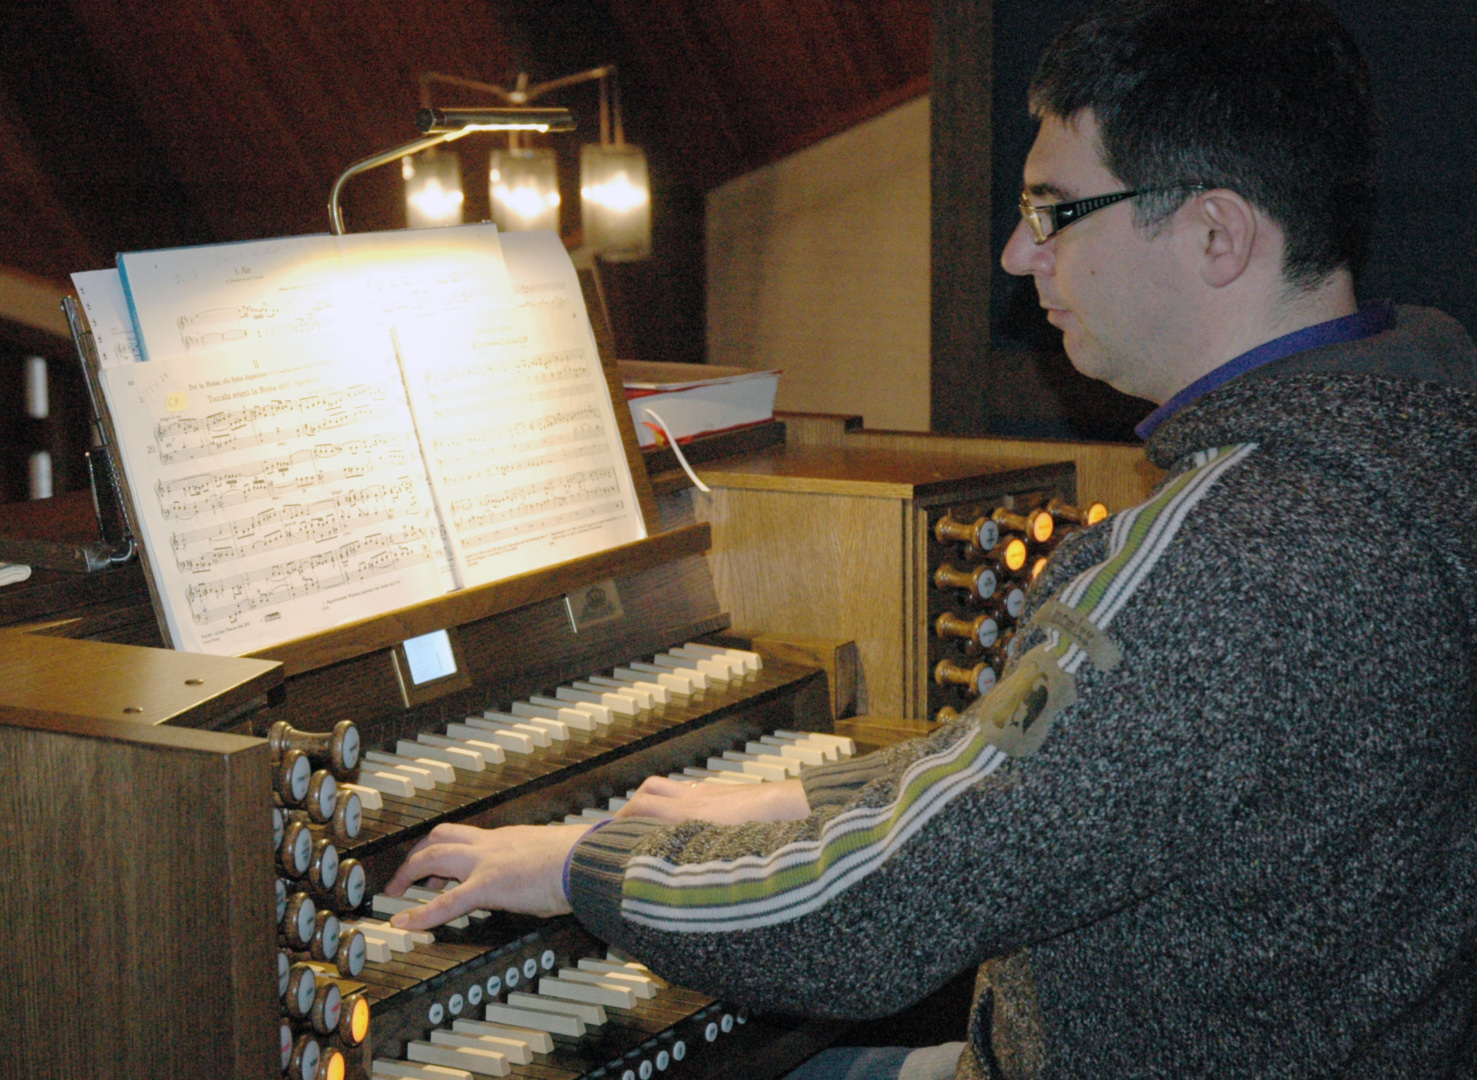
(284, 496)
(106, 308)
(328, 428)
(518, 430)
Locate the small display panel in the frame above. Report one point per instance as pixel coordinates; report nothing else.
(429, 657)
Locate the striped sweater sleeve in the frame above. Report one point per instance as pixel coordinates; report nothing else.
(926, 860)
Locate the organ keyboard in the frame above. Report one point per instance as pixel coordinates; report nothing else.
(577, 716)
(568, 686)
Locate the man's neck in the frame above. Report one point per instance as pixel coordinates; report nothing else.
(1245, 328)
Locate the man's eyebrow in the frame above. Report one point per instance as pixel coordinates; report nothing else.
(1050, 191)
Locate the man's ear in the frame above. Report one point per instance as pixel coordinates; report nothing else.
(1226, 231)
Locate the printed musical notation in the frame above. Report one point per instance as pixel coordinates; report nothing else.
(286, 526)
(185, 438)
(308, 495)
(368, 557)
(186, 497)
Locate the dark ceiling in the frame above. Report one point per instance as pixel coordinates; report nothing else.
(129, 125)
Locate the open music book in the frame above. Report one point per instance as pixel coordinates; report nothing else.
(319, 429)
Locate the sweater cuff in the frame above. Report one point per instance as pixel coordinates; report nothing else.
(835, 785)
(597, 869)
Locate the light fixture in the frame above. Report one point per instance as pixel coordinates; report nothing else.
(443, 126)
(615, 185)
(433, 189)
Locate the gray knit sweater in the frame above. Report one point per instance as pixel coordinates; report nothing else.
(1219, 818)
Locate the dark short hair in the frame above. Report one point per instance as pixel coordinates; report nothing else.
(1268, 98)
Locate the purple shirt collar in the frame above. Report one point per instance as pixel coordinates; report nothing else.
(1366, 322)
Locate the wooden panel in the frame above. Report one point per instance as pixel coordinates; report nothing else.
(841, 568)
(131, 885)
(368, 635)
(126, 683)
(512, 655)
(836, 657)
(1117, 474)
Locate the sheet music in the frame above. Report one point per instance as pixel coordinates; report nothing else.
(285, 492)
(517, 424)
(327, 428)
(106, 308)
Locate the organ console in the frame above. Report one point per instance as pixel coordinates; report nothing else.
(269, 798)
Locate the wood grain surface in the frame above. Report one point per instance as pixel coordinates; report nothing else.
(138, 940)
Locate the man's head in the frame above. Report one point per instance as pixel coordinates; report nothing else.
(1256, 109)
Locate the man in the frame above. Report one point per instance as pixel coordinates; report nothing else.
(1220, 816)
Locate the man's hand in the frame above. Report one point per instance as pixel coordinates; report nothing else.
(519, 868)
(724, 804)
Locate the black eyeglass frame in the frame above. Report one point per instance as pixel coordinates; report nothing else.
(1060, 215)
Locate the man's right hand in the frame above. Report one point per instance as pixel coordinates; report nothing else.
(723, 804)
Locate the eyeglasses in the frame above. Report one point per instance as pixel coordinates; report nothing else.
(1046, 221)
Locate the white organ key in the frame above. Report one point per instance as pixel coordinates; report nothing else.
(487, 1062)
(753, 768)
(618, 698)
(555, 730)
(752, 661)
(390, 783)
(393, 905)
(386, 1069)
(660, 692)
(617, 801)
(805, 754)
(536, 733)
(537, 1041)
(827, 753)
(788, 766)
(553, 1023)
(555, 710)
(642, 987)
(519, 1053)
(578, 699)
(439, 770)
(408, 939)
(594, 813)
(407, 748)
(593, 1015)
(730, 777)
(641, 695)
(417, 892)
(420, 777)
(731, 664)
(441, 748)
(608, 994)
(845, 746)
(689, 669)
(369, 798)
(376, 949)
(478, 743)
(518, 742)
(682, 684)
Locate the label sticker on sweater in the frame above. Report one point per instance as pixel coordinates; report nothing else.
(1017, 715)
(1102, 650)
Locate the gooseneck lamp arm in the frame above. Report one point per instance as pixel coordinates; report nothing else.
(447, 125)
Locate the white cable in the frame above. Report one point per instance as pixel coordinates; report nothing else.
(681, 459)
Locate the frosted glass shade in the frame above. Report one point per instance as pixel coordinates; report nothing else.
(615, 202)
(433, 189)
(523, 190)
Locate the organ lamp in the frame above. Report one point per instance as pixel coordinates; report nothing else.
(523, 190)
(443, 126)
